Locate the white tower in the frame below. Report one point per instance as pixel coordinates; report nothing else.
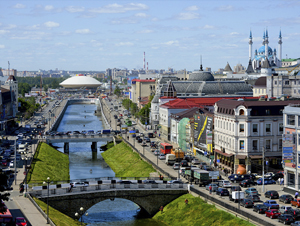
(280, 47)
(250, 46)
(266, 45)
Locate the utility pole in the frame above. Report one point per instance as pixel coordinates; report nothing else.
(263, 170)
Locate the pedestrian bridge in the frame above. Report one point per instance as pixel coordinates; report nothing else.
(149, 197)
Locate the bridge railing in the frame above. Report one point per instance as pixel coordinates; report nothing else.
(42, 191)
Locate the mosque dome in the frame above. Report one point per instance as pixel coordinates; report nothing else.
(201, 76)
(80, 81)
(262, 50)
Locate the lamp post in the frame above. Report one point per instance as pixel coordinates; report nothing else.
(81, 213)
(25, 170)
(263, 169)
(47, 182)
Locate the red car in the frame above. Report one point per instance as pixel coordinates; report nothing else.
(272, 213)
(20, 221)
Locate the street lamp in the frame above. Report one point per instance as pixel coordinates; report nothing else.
(25, 170)
(47, 182)
(81, 213)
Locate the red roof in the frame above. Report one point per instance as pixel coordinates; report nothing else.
(179, 104)
(143, 80)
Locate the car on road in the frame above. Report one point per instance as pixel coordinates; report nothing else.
(284, 209)
(175, 182)
(147, 139)
(295, 213)
(251, 191)
(286, 198)
(133, 123)
(184, 163)
(195, 161)
(214, 187)
(271, 204)
(137, 137)
(149, 182)
(20, 221)
(126, 182)
(235, 188)
(202, 164)
(266, 180)
(254, 198)
(272, 194)
(296, 223)
(144, 144)
(295, 202)
(80, 184)
(156, 152)
(260, 208)
(38, 126)
(272, 213)
(246, 203)
(162, 157)
(225, 184)
(140, 140)
(286, 218)
(222, 192)
(141, 134)
(176, 166)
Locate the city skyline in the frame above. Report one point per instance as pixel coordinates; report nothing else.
(93, 36)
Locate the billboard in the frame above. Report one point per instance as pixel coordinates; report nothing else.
(203, 131)
(288, 147)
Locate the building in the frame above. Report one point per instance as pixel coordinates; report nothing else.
(142, 88)
(290, 153)
(242, 128)
(80, 82)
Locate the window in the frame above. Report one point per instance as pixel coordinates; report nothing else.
(254, 144)
(242, 144)
(298, 91)
(275, 82)
(290, 120)
(268, 112)
(280, 145)
(268, 144)
(294, 90)
(242, 112)
(294, 82)
(268, 128)
(279, 82)
(242, 128)
(281, 127)
(254, 128)
(286, 82)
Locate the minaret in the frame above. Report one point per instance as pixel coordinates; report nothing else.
(280, 47)
(263, 43)
(266, 46)
(250, 45)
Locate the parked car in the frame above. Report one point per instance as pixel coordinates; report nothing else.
(295, 213)
(272, 194)
(162, 157)
(149, 182)
(295, 202)
(296, 223)
(222, 192)
(284, 209)
(214, 187)
(246, 183)
(266, 180)
(20, 221)
(272, 213)
(276, 176)
(251, 191)
(254, 198)
(246, 203)
(286, 198)
(176, 166)
(260, 208)
(235, 188)
(175, 182)
(286, 218)
(271, 204)
(225, 184)
(80, 184)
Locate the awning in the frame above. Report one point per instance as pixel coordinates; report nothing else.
(255, 156)
(241, 156)
(222, 153)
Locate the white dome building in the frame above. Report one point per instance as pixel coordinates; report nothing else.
(80, 81)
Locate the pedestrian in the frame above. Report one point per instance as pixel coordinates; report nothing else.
(210, 189)
(296, 195)
(71, 186)
(159, 135)
(127, 137)
(161, 209)
(281, 181)
(186, 201)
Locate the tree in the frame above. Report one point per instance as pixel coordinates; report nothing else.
(125, 81)
(117, 91)
(3, 196)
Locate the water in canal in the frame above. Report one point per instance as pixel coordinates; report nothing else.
(106, 213)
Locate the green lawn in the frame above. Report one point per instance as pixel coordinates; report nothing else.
(196, 212)
(126, 163)
(48, 162)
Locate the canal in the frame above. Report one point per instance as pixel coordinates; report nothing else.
(106, 213)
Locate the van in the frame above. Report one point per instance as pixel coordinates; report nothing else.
(170, 159)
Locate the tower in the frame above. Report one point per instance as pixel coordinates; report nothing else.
(250, 45)
(280, 47)
(266, 46)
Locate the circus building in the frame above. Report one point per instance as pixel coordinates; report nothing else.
(80, 81)
(265, 52)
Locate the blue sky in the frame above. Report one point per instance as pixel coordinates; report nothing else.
(95, 35)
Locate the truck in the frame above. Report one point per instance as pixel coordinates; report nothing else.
(106, 131)
(170, 159)
(178, 153)
(271, 204)
(201, 177)
(236, 196)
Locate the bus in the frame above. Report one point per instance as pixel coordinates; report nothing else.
(6, 218)
(165, 148)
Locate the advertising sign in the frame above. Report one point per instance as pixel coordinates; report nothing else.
(288, 148)
(203, 130)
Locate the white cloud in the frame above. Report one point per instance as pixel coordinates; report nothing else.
(51, 24)
(141, 15)
(192, 8)
(49, 7)
(74, 9)
(234, 33)
(2, 46)
(225, 8)
(2, 32)
(19, 6)
(187, 16)
(145, 31)
(83, 31)
(117, 8)
(10, 26)
(169, 43)
(124, 44)
(208, 27)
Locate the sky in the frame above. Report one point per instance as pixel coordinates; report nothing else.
(96, 35)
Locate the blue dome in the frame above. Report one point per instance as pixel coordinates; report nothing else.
(262, 49)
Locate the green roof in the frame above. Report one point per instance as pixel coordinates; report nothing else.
(289, 60)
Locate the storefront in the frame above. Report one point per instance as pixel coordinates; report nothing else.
(224, 160)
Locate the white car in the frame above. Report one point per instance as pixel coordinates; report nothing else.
(176, 166)
(80, 184)
(133, 123)
(195, 161)
(225, 184)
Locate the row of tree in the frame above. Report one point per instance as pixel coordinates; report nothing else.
(28, 106)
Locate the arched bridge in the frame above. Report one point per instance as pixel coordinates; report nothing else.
(149, 197)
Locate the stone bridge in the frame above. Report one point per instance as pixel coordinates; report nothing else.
(148, 197)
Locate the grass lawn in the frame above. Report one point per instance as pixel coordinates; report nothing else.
(48, 162)
(57, 217)
(126, 163)
(196, 212)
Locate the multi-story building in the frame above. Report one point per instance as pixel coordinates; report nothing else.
(142, 88)
(290, 153)
(242, 128)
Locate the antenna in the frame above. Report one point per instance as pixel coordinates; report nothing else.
(144, 62)
(201, 68)
(8, 69)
